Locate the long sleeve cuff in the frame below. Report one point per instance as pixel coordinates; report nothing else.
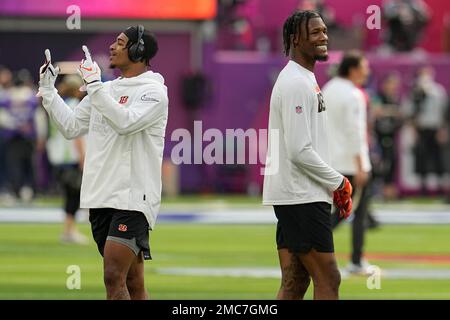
(47, 94)
(92, 88)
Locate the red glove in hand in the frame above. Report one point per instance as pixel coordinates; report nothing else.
(342, 199)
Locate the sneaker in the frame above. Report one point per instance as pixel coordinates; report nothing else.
(7, 200)
(364, 268)
(371, 222)
(26, 194)
(75, 237)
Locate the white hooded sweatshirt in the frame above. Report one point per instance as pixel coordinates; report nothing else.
(125, 121)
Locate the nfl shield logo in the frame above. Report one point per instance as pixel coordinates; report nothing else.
(122, 227)
(298, 109)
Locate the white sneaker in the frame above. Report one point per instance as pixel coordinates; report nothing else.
(364, 268)
(26, 194)
(7, 200)
(76, 237)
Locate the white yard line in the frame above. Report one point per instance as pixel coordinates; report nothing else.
(257, 215)
(437, 274)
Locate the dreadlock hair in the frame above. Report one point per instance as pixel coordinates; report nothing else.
(293, 24)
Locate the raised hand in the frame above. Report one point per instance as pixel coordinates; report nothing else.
(88, 69)
(47, 75)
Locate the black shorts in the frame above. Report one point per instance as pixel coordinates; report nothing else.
(302, 227)
(127, 227)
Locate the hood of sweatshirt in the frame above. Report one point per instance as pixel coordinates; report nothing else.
(144, 78)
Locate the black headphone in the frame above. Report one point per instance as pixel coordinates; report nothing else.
(136, 50)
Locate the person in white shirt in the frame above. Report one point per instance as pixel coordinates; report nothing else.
(67, 159)
(125, 121)
(429, 103)
(299, 181)
(349, 145)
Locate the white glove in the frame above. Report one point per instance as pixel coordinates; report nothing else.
(89, 70)
(47, 76)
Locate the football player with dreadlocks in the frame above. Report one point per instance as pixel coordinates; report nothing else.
(301, 189)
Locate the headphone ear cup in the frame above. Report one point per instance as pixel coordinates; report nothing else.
(140, 50)
(132, 52)
(137, 50)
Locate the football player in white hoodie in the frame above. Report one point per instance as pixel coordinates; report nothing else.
(125, 121)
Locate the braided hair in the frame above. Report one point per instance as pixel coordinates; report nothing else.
(292, 26)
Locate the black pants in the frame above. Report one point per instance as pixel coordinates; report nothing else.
(358, 223)
(19, 161)
(388, 158)
(3, 171)
(69, 178)
(428, 154)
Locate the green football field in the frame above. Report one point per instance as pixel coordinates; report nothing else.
(33, 262)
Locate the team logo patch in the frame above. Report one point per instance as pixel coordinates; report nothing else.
(123, 99)
(298, 109)
(122, 227)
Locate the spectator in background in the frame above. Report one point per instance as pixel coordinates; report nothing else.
(387, 123)
(21, 138)
(349, 145)
(235, 29)
(5, 122)
(371, 222)
(429, 102)
(67, 160)
(327, 13)
(406, 19)
(444, 139)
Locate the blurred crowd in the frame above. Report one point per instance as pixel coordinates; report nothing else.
(240, 28)
(33, 155)
(19, 125)
(401, 17)
(424, 114)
